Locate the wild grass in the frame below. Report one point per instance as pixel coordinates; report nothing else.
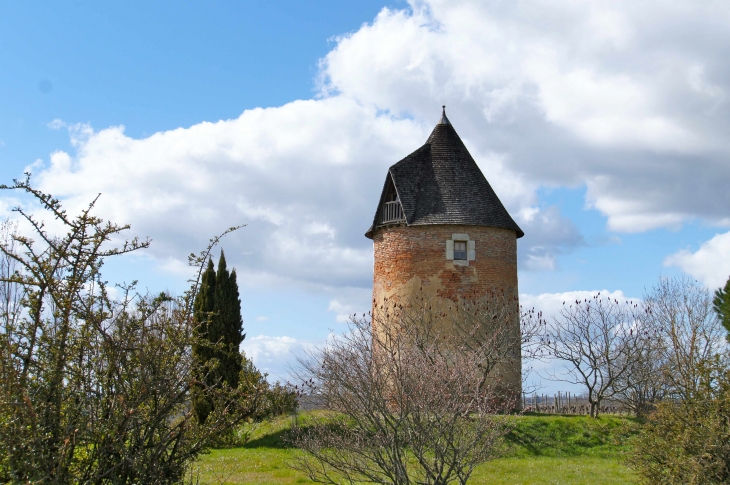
(542, 449)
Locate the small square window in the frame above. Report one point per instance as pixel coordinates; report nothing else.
(460, 250)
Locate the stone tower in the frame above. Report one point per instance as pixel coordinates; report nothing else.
(440, 229)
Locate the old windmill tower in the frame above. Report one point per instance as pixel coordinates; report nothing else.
(440, 229)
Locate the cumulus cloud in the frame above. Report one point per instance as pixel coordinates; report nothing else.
(710, 264)
(548, 234)
(343, 311)
(625, 99)
(349, 302)
(304, 178)
(629, 99)
(274, 354)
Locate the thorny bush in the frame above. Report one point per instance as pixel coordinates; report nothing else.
(94, 389)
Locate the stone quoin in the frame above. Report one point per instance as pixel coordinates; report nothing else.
(441, 231)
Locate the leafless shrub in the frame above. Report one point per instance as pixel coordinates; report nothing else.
(415, 396)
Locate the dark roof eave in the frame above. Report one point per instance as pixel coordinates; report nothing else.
(370, 233)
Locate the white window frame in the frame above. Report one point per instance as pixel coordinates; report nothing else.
(471, 253)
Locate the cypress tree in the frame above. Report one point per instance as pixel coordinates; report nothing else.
(721, 303)
(228, 325)
(220, 326)
(203, 313)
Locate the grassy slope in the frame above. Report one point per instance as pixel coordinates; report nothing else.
(541, 450)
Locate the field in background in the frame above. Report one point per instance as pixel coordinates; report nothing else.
(543, 449)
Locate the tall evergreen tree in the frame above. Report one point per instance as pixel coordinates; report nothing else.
(228, 325)
(721, 302)
(204, 307)
(219, 322)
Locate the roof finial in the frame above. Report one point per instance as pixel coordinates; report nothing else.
(444, 119)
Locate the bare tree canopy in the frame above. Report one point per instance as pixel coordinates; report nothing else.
(598, 340)
(680, 312)
(642, 386)
(637, 353)
(414, 399)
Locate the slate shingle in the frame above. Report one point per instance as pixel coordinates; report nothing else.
(440, 183)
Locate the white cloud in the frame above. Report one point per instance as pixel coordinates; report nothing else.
(57, 124)
(622, 98)
(305, 177)
(547, 235)
(551, 303)
(262, 318)
(710, 264)
(350, 301)
(274, 354)
(343, 311)
(627, 98)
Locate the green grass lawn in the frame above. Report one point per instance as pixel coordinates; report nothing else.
(542, 449)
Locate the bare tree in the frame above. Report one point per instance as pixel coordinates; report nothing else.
(643, 385)
(491, 324)
(597, 340)
(679, 312)
(411, 401)
(687, 438)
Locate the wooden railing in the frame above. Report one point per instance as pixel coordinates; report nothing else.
(392, 212)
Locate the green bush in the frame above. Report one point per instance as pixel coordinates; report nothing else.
(95, 389)
(688, 441)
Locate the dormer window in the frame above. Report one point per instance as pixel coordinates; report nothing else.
(460, 250)
(392, 211)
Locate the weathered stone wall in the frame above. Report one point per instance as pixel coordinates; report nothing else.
(413, 261)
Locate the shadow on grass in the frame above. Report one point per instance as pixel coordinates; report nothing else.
(570, 435)
(280, 434)
(279, 440)
(533, 435)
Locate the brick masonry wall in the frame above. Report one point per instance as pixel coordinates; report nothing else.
(408, 258)
(412, 260)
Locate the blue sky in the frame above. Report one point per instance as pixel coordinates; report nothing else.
(155, 66)
(602, 127)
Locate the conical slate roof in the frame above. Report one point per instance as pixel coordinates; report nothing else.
(440, 183)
